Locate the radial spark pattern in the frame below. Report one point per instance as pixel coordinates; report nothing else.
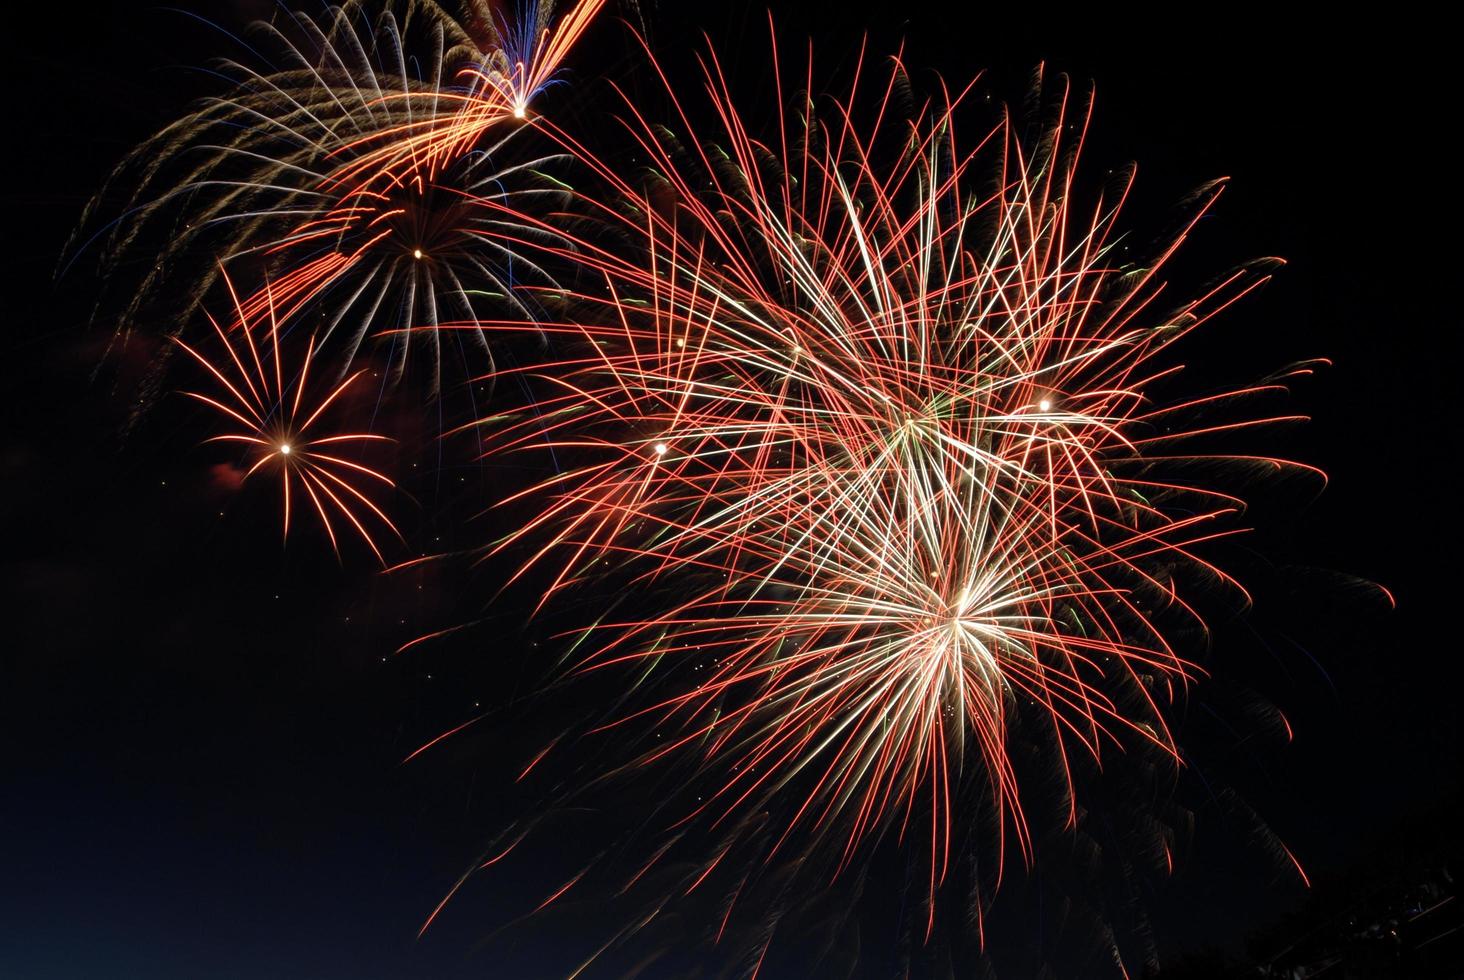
(892, 402)
(274, 412)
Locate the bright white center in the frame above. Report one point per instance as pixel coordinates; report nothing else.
(519, 112)
(660, 449)
(284, 449)
(416, 253)
(1045, 405)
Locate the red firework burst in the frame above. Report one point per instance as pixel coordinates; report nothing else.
(908, 433)
(283, 423)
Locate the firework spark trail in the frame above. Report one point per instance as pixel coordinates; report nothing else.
(280, 419)
(523, 60)
(908, 434)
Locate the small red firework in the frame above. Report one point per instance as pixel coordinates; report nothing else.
(283, 424)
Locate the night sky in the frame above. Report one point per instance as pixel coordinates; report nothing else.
(201, 732)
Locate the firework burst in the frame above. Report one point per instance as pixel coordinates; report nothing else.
(894, 404)
(368, 170)
(283, 424)
(522, 59)
(390, 262)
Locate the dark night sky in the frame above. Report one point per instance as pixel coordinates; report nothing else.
(199, 741)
